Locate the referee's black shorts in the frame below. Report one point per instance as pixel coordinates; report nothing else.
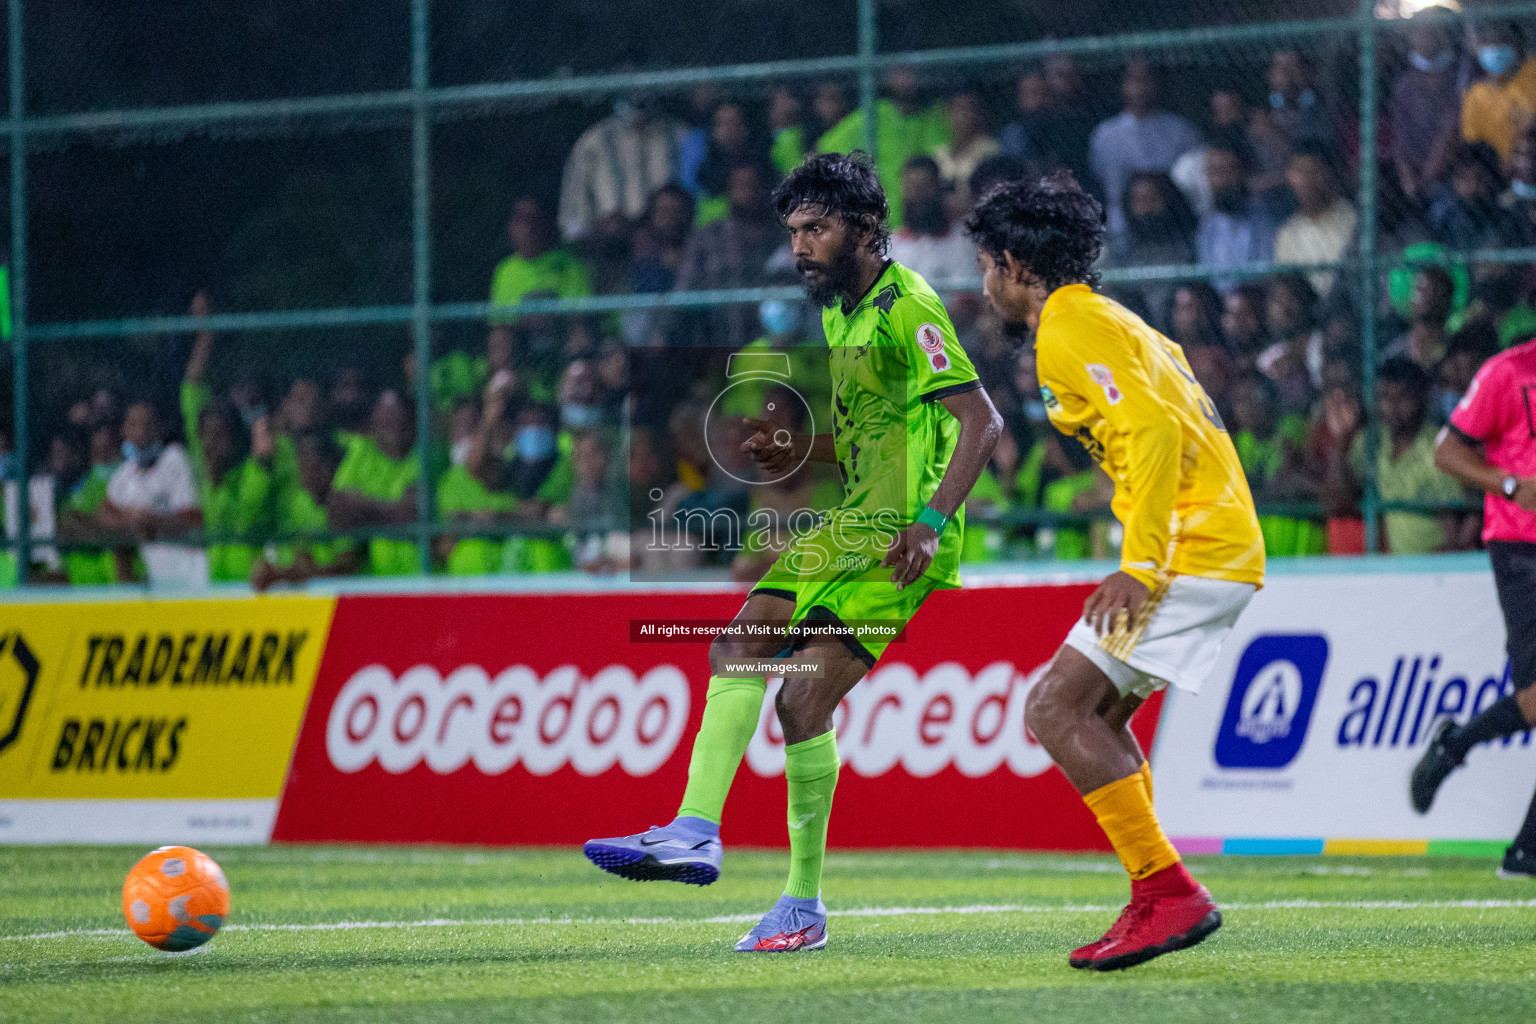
(1514, 574)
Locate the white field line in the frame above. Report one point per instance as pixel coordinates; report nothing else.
(980, 908)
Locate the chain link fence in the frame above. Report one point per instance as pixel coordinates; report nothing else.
(1327, 206)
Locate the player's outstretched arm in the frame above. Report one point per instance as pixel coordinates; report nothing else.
(912, 549)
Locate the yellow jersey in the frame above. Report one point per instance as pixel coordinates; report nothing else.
(1128, 394)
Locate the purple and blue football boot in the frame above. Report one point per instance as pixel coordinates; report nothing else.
(688, 851)
(793, 924)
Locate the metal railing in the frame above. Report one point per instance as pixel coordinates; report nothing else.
(421, 100)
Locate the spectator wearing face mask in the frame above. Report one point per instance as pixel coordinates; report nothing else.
(1425, 115)
(1238, 228)
(1292, 119)
(930, 243)
(787, 344)
(151, 497)
(1498, 108)
(1465, 213)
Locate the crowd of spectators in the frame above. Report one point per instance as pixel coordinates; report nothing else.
(555, 445)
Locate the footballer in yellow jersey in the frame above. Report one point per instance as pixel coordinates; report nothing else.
(1192, 558)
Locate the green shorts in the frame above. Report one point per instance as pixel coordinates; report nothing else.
(830, 583)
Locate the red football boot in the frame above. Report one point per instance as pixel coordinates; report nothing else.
(1082, 957)
(1169, 910)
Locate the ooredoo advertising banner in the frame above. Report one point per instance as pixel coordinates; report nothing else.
(152, 721)
(1324, 699)
(521, 718)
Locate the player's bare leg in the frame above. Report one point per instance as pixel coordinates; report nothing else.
(1083, 722)
(805, 706)
(688, 849)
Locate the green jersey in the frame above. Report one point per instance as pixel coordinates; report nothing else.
(461, 496)
(894, 358)
(87, 566)
(368, 471)
(239, 505)
(305, 522)
(555, 273)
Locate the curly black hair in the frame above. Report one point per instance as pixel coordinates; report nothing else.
(843, 184)
(1051, 226)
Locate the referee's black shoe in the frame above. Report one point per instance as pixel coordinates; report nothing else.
(1518, 863)
(1432, 768)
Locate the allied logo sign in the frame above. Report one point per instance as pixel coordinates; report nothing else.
(18, 681)
(1270, 704)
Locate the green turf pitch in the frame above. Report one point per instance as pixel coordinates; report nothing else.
(436, 934)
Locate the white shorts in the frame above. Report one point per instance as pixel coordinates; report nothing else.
(1175, 638)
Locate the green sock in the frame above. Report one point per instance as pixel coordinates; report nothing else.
(731, 709)
(811, 770)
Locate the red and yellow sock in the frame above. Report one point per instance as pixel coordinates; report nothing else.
(1124, 810)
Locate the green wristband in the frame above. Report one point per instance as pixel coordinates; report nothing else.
(933, 518)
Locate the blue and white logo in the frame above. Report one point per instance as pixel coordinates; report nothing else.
(1271, 702)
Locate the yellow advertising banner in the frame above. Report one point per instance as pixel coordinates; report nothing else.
(153, 699)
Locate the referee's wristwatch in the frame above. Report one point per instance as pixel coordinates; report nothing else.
(1510, 486)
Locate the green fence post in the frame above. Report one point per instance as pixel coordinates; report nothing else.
(867, 68)
(1370, 505)
(421, 257)
(19, 289)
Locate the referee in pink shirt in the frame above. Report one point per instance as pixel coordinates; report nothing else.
(1491, 445)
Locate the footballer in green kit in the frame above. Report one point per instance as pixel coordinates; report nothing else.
(912, 429)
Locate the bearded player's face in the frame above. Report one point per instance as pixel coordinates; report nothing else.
(826, 253)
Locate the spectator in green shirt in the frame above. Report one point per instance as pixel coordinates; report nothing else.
(300, 411)
(307, 551)
(231, 465)
(790, 143)
(1405, 461)
(1272, 450)
(375, 485)
(535, 270)
(77, 512)
(903, 128)
(535, 264)
(462, 497)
